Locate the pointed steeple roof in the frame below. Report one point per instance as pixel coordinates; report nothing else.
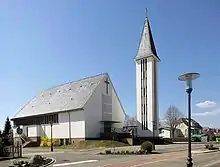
(146, 45)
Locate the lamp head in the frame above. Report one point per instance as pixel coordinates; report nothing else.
(188, 77)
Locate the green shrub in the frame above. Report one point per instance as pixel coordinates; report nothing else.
(1, 148)
(210, 146)
(108, 152)
(147, 146)
(21, 163)
(46, 142)
(122, 152)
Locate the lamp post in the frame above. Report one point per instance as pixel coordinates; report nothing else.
(51, 136)
(188, 78)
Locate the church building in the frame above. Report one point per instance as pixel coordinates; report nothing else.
(79, 110)
(147, 85)
(90, 108)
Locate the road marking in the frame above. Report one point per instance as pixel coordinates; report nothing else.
(137, 163)
(43, 153)
(75, 163)
(212, 163)
(166, 159)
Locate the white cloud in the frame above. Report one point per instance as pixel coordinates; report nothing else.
(208, 118)
(206, 104)
(207, 113)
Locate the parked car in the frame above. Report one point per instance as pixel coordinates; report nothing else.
(196, 139)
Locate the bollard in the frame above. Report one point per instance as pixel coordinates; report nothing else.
(20, 151)
(13, 151)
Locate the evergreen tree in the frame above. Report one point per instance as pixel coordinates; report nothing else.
(7, 128)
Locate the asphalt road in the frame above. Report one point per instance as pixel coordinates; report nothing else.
(171, 156)
(177, 159)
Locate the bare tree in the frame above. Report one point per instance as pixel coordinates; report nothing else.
(172, 117)
(159, 123)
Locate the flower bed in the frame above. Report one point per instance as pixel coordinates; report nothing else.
(211, 147)
(138, 152)
(36, 161)
(146, 148)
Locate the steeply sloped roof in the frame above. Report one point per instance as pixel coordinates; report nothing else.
(69, 96)
(193, 123)
(146, 46)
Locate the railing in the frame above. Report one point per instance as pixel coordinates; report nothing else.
(14, 151)
(25, 138)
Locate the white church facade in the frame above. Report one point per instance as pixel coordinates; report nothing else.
(147, 111)
(79, 110)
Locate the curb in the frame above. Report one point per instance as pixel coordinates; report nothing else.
(52, 162)
(205, 151)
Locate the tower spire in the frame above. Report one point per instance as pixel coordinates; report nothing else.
(147, 84)
(146, 45)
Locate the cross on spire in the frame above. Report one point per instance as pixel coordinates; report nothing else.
(146, 11)
(107, 83)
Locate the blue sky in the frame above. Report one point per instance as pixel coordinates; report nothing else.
(46, 43)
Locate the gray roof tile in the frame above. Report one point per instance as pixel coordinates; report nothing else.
(146, 45)
(69, 96)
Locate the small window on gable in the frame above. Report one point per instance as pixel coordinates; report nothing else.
(46, 120)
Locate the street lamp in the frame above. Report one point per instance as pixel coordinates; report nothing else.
(188, 78)
(51, 136)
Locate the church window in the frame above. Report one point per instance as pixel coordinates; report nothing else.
(50, 118)
(145, 64)
(46, 120)
(107, 85)
(141, 66)
(55, 118)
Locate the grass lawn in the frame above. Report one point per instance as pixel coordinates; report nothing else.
(92, 144)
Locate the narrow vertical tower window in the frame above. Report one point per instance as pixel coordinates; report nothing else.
(146, 82)
(107, 83)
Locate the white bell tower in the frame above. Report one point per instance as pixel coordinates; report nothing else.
(147, 85)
